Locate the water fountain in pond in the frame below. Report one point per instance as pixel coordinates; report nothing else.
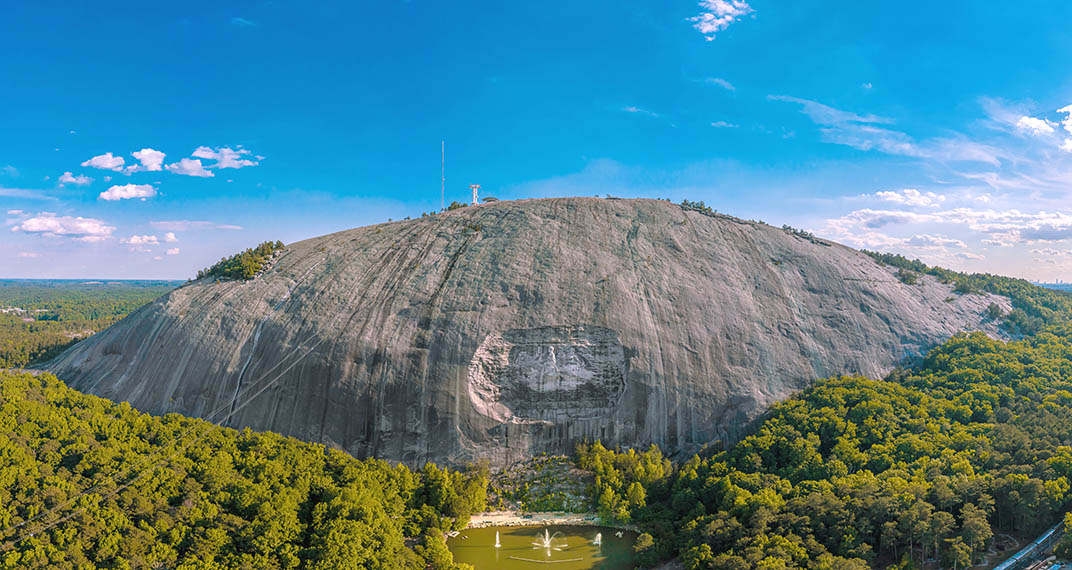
(599, 539)
(549, 542)
(497, 543)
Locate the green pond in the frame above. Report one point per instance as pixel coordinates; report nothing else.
(544, 547)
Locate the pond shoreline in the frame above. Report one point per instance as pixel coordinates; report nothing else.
(514, 518)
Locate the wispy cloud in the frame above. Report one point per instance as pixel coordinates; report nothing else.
(187, 225)
(827, 115)
(721, 83)
(717, 15)
(724, 125)
(639, 111)
(869, 133)
(243, 23)
(25, 193)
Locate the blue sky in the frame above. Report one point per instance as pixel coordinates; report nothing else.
(931, 130)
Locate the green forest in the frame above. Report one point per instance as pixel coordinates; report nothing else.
(86, 483)
(40, 318)
(930, 462)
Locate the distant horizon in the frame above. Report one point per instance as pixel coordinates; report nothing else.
(89, 280)
(940, 132)
(1057, 280)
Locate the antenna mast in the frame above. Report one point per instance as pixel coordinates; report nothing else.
(475, 187)
(443, 178)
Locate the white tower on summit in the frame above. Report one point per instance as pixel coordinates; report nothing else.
(475, 187)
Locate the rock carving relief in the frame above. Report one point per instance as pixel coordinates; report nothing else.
(548, 374)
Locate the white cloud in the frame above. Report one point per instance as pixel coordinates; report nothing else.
(14, 212)
(78, 228)
(1067, 122)
(189, 167)
(105, 161)
(28, 254)
(724, 125)
(911, 197)
(225, 157)
(969, 255)
(186, 225)
(170, 237)
(1003, 227)
(70, 178)
(173, 251)
(9, 170)
(721, 83)
(151, 161)
(1066, 146)
(717, 15)
(928, 241)
(866, 85)
(1036, 126)
(141, 240)
(127, 191)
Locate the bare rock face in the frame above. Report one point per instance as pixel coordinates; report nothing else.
(507, 329)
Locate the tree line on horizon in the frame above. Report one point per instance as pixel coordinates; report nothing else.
(54, 318)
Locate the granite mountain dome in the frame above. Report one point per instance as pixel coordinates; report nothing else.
(507, 329)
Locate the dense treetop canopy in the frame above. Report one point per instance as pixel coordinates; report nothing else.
(855, 472)
(85, 483)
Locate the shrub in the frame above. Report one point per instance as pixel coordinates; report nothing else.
(698, 207)
(907, 277)
(994, 311)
